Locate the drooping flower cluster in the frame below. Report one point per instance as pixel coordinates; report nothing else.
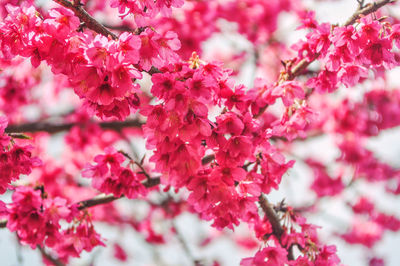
(36, 220)
(305, 239)
(16, 87)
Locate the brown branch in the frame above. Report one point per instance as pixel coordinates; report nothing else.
(207, 159)
(55, 128)
(274, 220)
(96, 201)
(119, 27)
(3, 223)
(271, 215)
(85, 17)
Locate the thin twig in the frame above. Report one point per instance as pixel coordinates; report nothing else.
(185, 246)
(53, 260)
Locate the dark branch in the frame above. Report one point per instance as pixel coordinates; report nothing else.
(96, 201)
(274, 220)
(55, 128)
(271, 215)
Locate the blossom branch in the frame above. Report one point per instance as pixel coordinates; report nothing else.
(368, 9)
(96, 201)
(85, 17)
(99, 200)
(94, 25)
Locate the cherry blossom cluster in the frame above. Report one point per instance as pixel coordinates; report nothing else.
(297, 233)
(370, 224)
(17, 87)
(360, 120)
(98, 68)
(348, 52)
(243, 162)
(15, 159)
(36, 220)
(257, 20)
(143, 11)
(109, 176)
(214, 148)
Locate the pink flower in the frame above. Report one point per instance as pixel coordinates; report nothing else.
(269, 256)
(289, 91)
(4, 139)
(350, 74)
(325, 82)
(323, 184)
(165, 85)
(229, 123)
(377, 52)
(62, 22)
(327, 256)
(35, 220)
(366, 233)
(235, 151)
(345, 36)
(395, 34)
(129, 45)
(120, 253)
